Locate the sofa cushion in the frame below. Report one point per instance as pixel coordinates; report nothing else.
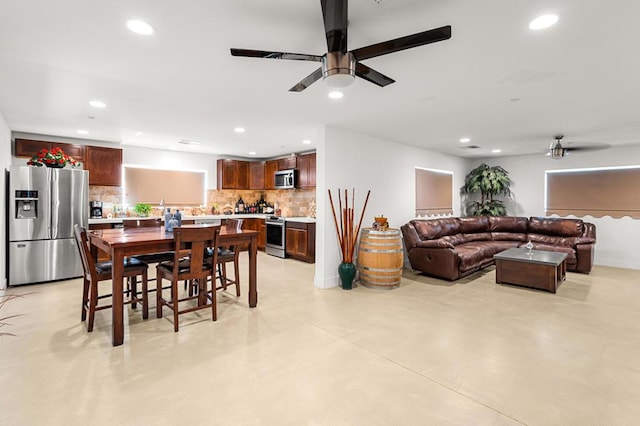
(470, 256)
(558, 227)
(480, 236)
(438, 243)
(508, 224)
(436, 228)
(552, 240)
(474, 224)
(480, 253)
(508, 236)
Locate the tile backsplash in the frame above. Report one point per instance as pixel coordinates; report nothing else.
(292, 202)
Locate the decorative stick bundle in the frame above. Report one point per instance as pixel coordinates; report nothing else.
(347, 233)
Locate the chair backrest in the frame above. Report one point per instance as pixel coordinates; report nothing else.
(235, 224)
(142, 223)
(88, 261)
(193, 242)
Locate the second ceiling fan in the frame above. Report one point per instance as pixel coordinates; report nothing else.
(339, 66)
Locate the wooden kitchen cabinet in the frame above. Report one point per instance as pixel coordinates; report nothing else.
(104, 165)
(256, 175)
(288, 163)
(307, 171)
(28, 147)
(270, 169)
(301, 241)
(233, 174)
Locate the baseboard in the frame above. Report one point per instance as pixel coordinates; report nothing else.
(328, 282)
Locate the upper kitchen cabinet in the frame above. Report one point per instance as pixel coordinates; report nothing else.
(307, 171)
(270, 169)
(288, 163)
(29, 147)
(104, 165)
(256, 175)
(233, 174)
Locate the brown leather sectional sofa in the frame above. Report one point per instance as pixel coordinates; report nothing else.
(452, 248)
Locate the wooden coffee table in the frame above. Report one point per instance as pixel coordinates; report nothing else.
(544, 270)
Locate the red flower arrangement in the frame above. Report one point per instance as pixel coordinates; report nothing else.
(53, 157)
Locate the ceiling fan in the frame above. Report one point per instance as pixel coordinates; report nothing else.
(339, 65)
(557, 151)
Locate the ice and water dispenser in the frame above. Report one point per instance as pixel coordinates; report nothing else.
(26, 204)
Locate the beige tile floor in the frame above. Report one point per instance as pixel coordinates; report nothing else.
(428, 353)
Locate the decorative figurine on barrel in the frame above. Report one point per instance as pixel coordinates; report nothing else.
(381, 223)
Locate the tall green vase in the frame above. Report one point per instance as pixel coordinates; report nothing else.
(347, 272)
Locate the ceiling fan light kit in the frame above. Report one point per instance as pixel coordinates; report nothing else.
(339, 66)
(338, 69)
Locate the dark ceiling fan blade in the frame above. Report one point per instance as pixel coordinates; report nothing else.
(402, 43)
(335, 16)
(307, 81)
(275, 55)
(587, 148)
(372, 75)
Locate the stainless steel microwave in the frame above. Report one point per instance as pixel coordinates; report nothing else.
(285, 179)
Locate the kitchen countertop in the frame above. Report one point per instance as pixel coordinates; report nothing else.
(301, 219)
(208, 217)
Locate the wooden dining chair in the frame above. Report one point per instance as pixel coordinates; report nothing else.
(94, 272)
(226, 255)
(189, 265)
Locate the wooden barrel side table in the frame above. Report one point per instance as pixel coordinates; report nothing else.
(380, 258)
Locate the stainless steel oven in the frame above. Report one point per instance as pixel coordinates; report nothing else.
(275, 236)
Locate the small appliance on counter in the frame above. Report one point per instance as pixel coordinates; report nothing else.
(95, 209)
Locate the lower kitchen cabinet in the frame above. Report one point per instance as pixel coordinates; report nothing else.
(301, 241)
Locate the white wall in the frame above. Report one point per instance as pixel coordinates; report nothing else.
(349, 160)
(5, 160)
(617, 239)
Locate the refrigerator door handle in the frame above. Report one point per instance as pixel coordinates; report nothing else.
(55, 206)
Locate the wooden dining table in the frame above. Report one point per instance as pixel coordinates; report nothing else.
(121, 243)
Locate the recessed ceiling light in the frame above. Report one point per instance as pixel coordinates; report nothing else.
(335, 95)
(495, 151)
(139, 133)
(542, 22)
(252, 153)
(465, 140)
(83, 132)
(239, 130)
(140, 27)
(97, 104)
(306, 141)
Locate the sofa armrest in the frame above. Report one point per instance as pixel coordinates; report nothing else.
(585, 254)
(410, 236)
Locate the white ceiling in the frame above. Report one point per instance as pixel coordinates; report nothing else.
(495, 81)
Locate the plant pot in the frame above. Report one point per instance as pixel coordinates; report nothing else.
(55, 166)
(347, 272)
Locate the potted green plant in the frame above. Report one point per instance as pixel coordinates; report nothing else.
(489, 182)
(142, 209)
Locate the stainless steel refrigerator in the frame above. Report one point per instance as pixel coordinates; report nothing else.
(44, 204)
